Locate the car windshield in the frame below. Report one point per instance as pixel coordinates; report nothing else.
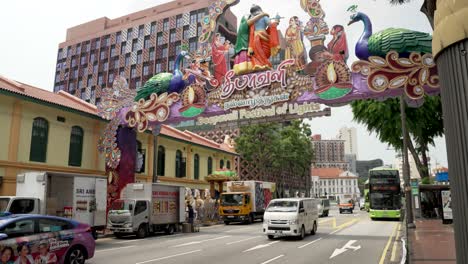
(121, 205)
(231, 199)
(3, 204)
(282, 206)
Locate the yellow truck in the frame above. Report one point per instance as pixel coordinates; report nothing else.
(245, 201)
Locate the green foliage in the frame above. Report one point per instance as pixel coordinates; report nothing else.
(383, 118)
(272, 146)
(426, 180)
(157, 84)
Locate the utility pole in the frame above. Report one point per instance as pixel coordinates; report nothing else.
(406, 175)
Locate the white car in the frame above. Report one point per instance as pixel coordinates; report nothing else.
(291, 217)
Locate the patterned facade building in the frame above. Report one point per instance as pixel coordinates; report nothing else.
(329, 153)
(136, 46)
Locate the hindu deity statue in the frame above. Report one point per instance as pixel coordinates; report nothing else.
(295, 46)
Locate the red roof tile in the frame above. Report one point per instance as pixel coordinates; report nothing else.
(326, 173)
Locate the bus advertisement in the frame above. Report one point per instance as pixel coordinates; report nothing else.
(384, 193)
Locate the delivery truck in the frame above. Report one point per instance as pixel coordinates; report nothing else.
(147, 208)
(245, 201)
(73, 196)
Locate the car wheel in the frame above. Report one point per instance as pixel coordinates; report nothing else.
(226, 222)
(142, 231)
(341, 211)
(314, 229)
(169, 230)
(77, 255)
(302, 236)
(118, 235)
(271, 237)
(251, 219)
(351, 211)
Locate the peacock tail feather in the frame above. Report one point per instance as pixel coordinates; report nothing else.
(400, 40)
(157, 84)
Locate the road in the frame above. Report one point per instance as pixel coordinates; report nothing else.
(346, 238)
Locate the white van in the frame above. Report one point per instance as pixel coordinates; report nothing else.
(291, 217)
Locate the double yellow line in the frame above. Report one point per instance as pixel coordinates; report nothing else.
(384, 253)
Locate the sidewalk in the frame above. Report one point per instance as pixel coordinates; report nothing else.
(431, 243)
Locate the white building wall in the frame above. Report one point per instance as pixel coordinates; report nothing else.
(350, 138)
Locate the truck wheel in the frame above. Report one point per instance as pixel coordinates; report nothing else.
(351, 211)
(271, 237)
(118, 235)
(169, 230)
(142, 231)
(302, 236)
(314, 229)
(251, 219)
(326, 214)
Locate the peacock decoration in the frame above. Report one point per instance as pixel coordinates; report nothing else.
(164, 81)
(403, 41)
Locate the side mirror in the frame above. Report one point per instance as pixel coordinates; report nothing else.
(3, 236)
(301, 210)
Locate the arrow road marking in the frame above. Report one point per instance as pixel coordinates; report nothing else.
(200, 241)
(348, 245)
(261, 246)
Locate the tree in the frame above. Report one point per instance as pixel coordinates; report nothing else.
(424, 124)
(286, 149)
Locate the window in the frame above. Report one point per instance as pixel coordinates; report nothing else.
(129, 34)
(118, 37)
(53, 225)
(111, 78)
(147, 42)
(83, 59)
(122, 72)
(92, 57)
(123, 48)
(80, 83)
(116, 63)
(158, 67)
(73, 62)
(90, 79)
(78, 49)
(95, 68)
(100, 79)
(179, 21)
(210, 165)
(134, 44)
(179, 164)
(172, 36)
(199, 29)
(76, 146)
(112, 52)
(88, 46)
(171, 64)
(161, 160)
(221, 164)
(193, 17)
(193, 45)
(71, 87)
(139, 57)
(166, 24)
(145, 70)
(106, 66)
(107, 41)
(228, 165)
(75, 73)
(140, 31)
(127, 59)
(178, 48)
(196, 167)
(133, 71)
(153, 28)
(98, 43)
(186, 32)
(152, 54)
(39, 137)
(164, 52)
(19, 228)
(22, 206)
(140, 158)
(200, 16)
(159, 39)
(140, 207)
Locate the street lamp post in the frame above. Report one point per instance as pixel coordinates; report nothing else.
(406, 175)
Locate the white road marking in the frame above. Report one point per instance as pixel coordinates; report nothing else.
(239, 229)
(305, 245)
(151, 239)
(110, 249)
(261, 246)
(199, 242)
(172, 256)
(348, 245)
(273, 259)
(250, 238)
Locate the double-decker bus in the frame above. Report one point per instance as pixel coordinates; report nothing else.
(366, 195)
(384, 193)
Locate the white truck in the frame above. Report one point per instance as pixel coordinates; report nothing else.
(79, 197)
(147, 208)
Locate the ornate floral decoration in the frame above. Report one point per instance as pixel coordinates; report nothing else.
(412, 73)
(107, 144)
(156, 109)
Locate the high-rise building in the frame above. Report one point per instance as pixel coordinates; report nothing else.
(398, 164)
(328, 153)
(349, 136)
(135, 46)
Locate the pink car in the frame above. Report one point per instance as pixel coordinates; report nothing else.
(44, 239)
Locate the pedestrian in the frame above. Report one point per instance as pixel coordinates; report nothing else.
(191, 213)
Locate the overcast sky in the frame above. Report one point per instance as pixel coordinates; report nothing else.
(31, 31)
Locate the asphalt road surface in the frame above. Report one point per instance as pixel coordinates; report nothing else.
(340, 239)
